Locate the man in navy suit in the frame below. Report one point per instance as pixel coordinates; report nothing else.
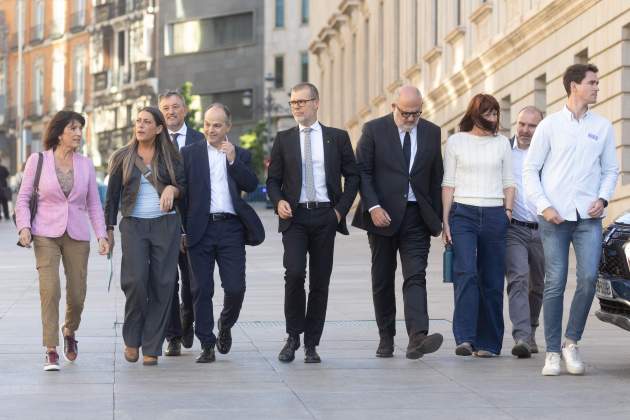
(180, 325)
(219, 223)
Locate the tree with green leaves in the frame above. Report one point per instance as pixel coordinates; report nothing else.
(191, 117)
(254, 141)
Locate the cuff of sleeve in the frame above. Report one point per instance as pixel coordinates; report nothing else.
(542, 204)
(373, 207)
(448, 184)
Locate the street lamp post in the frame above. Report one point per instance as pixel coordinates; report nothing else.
(269, 107)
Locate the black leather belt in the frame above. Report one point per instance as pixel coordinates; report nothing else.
(315, 205)
(530, 225)
(214, 217)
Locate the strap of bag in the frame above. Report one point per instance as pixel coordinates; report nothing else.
(38, 172)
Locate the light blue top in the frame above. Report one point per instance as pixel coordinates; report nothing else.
(147, 202)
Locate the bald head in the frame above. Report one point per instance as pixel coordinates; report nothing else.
(407, 107)
(526, 123)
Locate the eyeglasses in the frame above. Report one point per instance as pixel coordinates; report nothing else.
(299, 103)
(404, 114)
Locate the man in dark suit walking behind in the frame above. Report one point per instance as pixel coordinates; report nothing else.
(304, 184)
(219, 223)
(181, 318)
(400, 161)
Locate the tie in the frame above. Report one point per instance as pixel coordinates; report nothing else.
(174, 139)
(407, 149)
(309, 178)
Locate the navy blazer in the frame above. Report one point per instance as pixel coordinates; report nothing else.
(196, 206)
(193, 136)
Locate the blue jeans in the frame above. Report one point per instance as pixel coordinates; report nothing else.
(586, 237)
(478, 235)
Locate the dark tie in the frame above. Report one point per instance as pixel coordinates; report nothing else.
(174, 139)
(407, 149)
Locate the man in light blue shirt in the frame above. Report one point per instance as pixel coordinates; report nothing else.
(570, 174)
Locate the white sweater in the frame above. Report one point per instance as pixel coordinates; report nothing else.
(479, 168)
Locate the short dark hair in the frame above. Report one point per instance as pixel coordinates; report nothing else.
(576, 73)
(56, 126)
(228, 113)
(169, 93)
(478, 105)
(307, 85)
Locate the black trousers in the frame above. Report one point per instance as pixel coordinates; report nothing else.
(182, 315)
(412, 241)
(5, 197)
(223, 243)
(313, 232)
(147, 277)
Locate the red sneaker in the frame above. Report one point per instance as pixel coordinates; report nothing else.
(70, 348)
(51, 362)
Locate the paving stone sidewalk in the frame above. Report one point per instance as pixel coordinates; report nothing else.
(250, 383)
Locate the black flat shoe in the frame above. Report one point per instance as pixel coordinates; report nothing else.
(287, 354)
(207, 354)
(224, 340)
(174, 347)
(385, 347)
(421, 345)
(310, 355)
(188, 337)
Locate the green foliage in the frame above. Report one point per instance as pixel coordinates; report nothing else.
(254, 141)
(191, 117)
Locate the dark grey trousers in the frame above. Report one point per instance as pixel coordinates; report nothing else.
(147, 277)
(525, 272)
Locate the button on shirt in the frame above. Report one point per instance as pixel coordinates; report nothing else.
(319, 171)
(524, 210)
(413, 134)
(578, 163)
(181, 138)
(220, 199)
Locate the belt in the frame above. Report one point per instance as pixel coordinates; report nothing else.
(220, 216)
(309, 205)
(530, 225)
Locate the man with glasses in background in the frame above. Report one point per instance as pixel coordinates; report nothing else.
(400, 160)
(304, 184)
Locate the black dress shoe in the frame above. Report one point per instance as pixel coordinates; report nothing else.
(420, 345)
(385, 347)
(310, 355)
(207, 354)
(188, 337)
(174, 347)
(287, 354)
(224, 340)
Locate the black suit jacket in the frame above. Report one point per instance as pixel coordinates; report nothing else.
(196, 206)
(384, 177)
(284, 180)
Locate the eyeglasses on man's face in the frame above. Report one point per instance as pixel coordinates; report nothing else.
(299, 103)
(406, 114)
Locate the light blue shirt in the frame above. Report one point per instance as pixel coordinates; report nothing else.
(147, 202)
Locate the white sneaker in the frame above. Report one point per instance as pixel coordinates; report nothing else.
(572, 359)
(552, 364)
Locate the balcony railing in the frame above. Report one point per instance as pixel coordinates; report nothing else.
(77, 21)
(143, 70)
(104, 12)
(37, 34)
(121, 8)
(101, 80)
(55, 29)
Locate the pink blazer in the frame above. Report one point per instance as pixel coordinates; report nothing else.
(57, 214)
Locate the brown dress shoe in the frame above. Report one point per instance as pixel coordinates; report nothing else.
(149, 360)
(131, 354)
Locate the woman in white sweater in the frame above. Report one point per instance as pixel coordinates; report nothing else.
(477, 195)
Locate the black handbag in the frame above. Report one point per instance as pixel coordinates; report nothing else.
(32, 202)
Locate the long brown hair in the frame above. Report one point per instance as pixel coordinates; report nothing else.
(478, 105)
(165, 151)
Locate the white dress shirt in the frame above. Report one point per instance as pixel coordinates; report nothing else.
(220, 198)
(414, 148)
(524, 210)
(181, 139)
(578, 163)
(319, 170)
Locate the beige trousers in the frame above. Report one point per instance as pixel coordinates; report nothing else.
(74, 254)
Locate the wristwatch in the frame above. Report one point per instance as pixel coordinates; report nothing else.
(605, 202)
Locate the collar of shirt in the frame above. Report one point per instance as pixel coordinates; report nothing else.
(314, 127)
(569, 115)
(412, 132)
(515, 146)
(212, 149)
(182, 131)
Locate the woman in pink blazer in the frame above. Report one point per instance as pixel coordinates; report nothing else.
(68, 202)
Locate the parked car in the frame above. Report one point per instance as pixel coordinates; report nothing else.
(613, 283)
